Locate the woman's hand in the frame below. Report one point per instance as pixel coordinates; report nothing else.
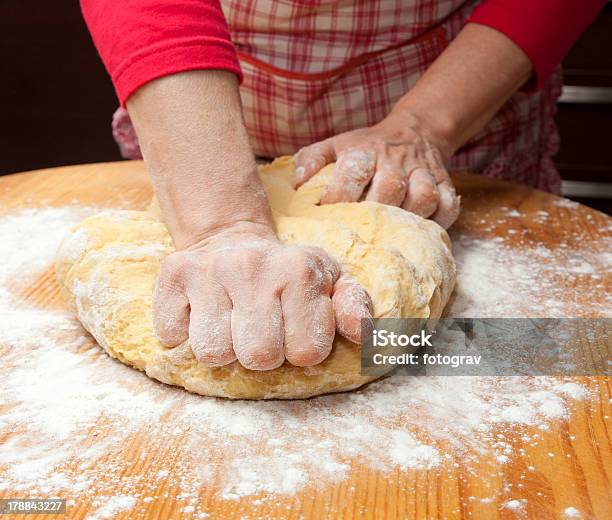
(243, 295)
(231, 287)
(402, 158)
(397, 162)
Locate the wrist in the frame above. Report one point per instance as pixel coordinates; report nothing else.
(247, 215)
(197, 151)
(227, 197)
(436, 126)
(240, 232)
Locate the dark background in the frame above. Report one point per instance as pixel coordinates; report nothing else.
(57, 100)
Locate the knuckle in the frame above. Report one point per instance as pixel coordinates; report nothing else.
(401, 134)
(396, 154)
(446, 186)
(299, 155)
(440, 174)
(302, 358)
(294, 259)
(356, 163)
(246, 262)
(213, 357)
(170, 330)
(302, 156)
(424, 189)
(312, 157)
(260, 357)
(312, 267)
(309, 271)
(328, 265)
(172, 271)
(314, 152)
(210, 340)
(161, 328)
(313, 355)
(429, 195)
(450, 206)
(393, 181)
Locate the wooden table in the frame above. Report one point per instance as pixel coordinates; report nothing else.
(583, 444)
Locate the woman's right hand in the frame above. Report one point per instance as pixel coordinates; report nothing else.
(241, 294)
(231, 287)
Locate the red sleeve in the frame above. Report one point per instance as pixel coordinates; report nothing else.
(544, 29)
(141, 40)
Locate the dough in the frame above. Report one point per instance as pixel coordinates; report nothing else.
(108, 264)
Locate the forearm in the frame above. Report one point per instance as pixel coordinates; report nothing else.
(196, 149)
(464, 88)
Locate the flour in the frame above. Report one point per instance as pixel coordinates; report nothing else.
(31, 237)
(497, 281)
(571, 512)
(357, 167)
(66, 405)
(112, 506)
(515, 505)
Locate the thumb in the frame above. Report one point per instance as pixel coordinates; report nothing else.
(310, 159)
(351, 304)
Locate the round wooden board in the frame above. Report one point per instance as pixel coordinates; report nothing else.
(573, 458)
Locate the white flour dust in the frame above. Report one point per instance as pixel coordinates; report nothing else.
(511, 281)
(496, 280)
(69, 414)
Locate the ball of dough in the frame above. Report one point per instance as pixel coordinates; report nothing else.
(108, 264)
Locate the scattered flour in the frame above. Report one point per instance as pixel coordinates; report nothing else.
(498, 281)
(112, 506)
(571, 512)
(510, 212)
(515, 505)
(31, 237)
(65, 404)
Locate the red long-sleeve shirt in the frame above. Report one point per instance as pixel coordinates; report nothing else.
(141, 40)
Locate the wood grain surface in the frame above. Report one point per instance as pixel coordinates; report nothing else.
(573, 458)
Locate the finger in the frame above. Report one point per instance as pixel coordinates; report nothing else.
(422, 196)
(307, 310)
(257, 332)
(210, 334)
(351, 304)
(309, 327)
(449, 205)
(389, 184)
(353, 171)
(170, 305)
(310, 159)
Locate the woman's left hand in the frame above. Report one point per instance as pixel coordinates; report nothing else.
(395, 162)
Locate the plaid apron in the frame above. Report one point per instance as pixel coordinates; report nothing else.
(316, 68)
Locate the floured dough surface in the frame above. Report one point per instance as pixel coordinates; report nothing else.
(108, 264)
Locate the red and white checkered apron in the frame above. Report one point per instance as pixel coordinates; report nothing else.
(313, 69)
